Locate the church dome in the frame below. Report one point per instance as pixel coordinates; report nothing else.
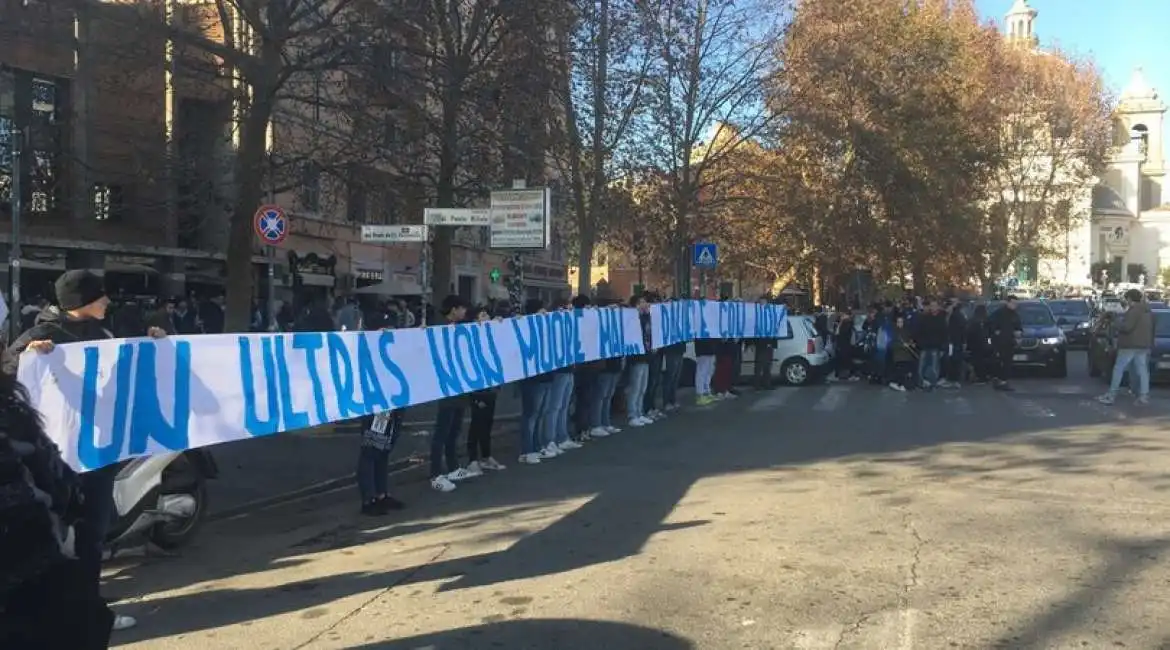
(1106, 200)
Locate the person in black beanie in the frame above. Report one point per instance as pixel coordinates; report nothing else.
(76, 318)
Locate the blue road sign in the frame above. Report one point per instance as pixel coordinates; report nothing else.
(706, 255)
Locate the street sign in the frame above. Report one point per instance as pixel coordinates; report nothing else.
(520, 219)
(270, 224)
(706, 255)
(393, 234)
(457, 217)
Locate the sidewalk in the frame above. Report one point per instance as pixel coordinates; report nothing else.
(256, 472)
(264, 471)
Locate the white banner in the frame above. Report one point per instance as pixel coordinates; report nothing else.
(681, 321)
(107, 401)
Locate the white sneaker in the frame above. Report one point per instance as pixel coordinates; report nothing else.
(491, 464)
(570, 444)
(123, 622)
(671, 407)
(474, 469)
(529, 459)
(645, 420)
(442, 484)
(612, 429)
(460, 474)
(730, 395)
(637, 422)
(657, 415)
(546, 453)
(555, 448)
(599, 432)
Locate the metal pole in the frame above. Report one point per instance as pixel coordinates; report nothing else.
(424, 275)
(271, 253)
(14, 252)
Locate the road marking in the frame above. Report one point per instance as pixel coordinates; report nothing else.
(774, 401)
(1033, 409)
(960, 406)
(832, 399)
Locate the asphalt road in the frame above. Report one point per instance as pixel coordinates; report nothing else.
(831, 517)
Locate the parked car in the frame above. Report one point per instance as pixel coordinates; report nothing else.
(800, 356)
(1103, 348)
(1074, 317)
(1043, 344)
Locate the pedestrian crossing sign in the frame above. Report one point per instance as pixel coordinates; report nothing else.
(706, 255)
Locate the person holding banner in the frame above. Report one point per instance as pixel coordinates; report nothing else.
(483, 417)
(449, 419)
(638, 368)
(77, 317)
(556, 433)
(534, 392)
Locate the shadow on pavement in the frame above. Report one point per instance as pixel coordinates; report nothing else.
(541, 634)
(632, 484)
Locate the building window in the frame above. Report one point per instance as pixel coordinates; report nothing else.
(44, 99)
(311, 187)
(107, 202)
(392, 137)
(355, 204)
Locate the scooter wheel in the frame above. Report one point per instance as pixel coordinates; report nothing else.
(173, 535)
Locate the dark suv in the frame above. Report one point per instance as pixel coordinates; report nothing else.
(1073, 316)
(1043, 344)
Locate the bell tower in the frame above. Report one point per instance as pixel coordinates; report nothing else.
(1142, 115)
(1020, 22)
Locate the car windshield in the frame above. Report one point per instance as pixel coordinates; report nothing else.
(1069, 308)
(1162, 324)
(1032, 314)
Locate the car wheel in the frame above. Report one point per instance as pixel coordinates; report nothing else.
(796, 372)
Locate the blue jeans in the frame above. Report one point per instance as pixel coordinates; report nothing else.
(639, 376)
(533, 404)
(1139, 361)
(603, 392)
(444, 439)
(556, 425)
(371, 472)
(670, 377)
(653, 381)
(929, 364)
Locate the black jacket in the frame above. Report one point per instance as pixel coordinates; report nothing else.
(930, 332)
(957, 327)
(1002, 326)
(52, 325)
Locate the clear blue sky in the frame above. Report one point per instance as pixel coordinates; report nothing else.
(1118, 34)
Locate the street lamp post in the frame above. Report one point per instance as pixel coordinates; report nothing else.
(16, 137)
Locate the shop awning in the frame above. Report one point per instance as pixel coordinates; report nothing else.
(392, 287)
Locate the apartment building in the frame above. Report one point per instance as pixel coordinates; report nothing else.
(129, 159)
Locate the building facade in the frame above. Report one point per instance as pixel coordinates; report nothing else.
(128, 166)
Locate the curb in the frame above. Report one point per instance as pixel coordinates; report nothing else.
(328, 485)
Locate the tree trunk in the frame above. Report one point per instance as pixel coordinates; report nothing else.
(918, 270)
(445, 194)
(249, 173)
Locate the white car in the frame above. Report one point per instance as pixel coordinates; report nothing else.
(799, 359)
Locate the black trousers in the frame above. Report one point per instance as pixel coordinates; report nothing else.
(584, 395)
(57, 610)
(1002, 360)
(479, 432)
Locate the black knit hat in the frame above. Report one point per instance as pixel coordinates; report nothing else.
(78, 288)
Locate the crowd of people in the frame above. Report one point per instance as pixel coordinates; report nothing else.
(560, 411)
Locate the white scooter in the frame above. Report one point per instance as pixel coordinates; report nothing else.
(161, 499)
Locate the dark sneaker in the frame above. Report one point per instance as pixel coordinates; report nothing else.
(389, 503)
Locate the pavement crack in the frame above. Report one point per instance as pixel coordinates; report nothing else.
(913, 579)
(851, 630)
(373, 599)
